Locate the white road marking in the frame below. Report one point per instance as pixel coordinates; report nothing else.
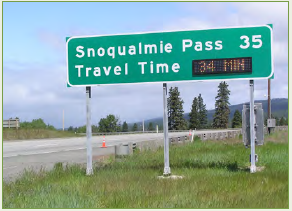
(46, 145)
(10, 167)
(47, 152)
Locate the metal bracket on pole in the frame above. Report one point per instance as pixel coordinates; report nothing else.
(166, 171)
(89, 170)
(252, 128)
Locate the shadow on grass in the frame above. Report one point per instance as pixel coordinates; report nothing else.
(195, 164)
(230, 166)
(198, 164)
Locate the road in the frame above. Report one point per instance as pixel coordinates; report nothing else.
(25, 154)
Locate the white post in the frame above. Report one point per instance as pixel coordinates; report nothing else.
(166, 171)
(143, 125)
(89, 169)
(156, 128)
(252, 134)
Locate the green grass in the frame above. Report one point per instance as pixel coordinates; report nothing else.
(20, 134)
(215, 176)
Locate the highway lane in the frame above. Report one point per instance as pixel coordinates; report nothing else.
(18, 155)
(43, 146)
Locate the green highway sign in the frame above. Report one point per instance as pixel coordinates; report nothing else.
(178, 56)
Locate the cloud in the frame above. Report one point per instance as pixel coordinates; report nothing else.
(218, 15)
(188, 24)
(39, 90)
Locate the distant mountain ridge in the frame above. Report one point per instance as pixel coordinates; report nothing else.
(279, 109)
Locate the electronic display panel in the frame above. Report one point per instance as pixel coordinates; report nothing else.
(222, 66)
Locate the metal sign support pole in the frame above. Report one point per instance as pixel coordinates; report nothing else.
(166, 171)
(89, 169)
(269, 103)
(252, 132)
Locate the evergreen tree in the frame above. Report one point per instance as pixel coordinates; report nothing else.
(221, 116)
(282, 121)
(202, 112)
(194, 115)
(175, 111)
(237, 120)
(135, 127)
(277, 121)
(150, 126)
(119, 127)
(125, 127)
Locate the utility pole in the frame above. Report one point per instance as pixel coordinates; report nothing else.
(63, 120)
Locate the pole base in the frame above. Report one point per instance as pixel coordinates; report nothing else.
(253, 169)
(89, 171)
(166, 171)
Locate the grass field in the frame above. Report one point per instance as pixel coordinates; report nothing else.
(216, 175)
(21, 134)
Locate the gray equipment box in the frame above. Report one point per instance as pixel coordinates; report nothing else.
(271, 122)
(259, 124)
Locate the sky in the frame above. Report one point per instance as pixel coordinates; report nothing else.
(34, 56)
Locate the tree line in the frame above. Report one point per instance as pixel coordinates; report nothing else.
(198, 114)
(176, 121)
(109, 124)
(35, 124)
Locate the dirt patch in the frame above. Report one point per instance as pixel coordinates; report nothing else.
(171, 177)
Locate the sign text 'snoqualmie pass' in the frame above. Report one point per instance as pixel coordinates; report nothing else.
(213, 54)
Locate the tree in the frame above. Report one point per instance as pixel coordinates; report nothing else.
(71, 128)
(150, 126)
(237, 120)
(202, 112)
(135, 127)
(35, 124)
(119, 127)
(125, 127)
(221, 116)
(38, 124)
(194, 115)
(94, 129)
(175, 111)
(81, 129)
(108, 124)
(51, 127)
(277, 121)
(282, 121)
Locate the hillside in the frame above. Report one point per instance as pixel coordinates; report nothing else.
(279, 109)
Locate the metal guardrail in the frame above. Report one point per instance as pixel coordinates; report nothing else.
(11, 123)
(160, 131)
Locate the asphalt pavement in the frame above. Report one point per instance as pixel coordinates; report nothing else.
(44, 153)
